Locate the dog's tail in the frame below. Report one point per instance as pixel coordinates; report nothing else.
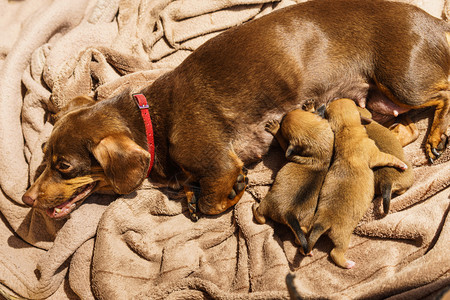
(386, 194)
(298, 232)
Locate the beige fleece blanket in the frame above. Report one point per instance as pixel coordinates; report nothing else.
(143, 245)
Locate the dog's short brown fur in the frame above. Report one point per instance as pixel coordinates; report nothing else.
(388, 180)
(348, 188)
(308, 141)
(208, 112)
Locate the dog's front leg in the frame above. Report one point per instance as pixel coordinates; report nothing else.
(192, 191)
(437, 139)
(222, 185)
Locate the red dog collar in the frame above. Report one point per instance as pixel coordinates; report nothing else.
(143, 106)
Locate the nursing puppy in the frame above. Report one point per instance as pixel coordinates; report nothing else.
(308, 141)
(348, 188)
(388, 180)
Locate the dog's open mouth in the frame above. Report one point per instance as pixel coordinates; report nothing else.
(67, 207)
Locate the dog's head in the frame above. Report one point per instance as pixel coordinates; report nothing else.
(344, 112)
(88, 151)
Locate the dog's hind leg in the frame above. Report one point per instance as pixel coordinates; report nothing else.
(381, 159)
(405, 130)
(437, 139)
(341, 241)
(300, 238)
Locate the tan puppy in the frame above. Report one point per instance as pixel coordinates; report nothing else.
(348, 188)
(308, 141)
(388, 180)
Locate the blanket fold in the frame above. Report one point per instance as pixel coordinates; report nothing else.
(143, 245)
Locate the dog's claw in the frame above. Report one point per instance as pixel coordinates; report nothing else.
(245, 171)
(238, 187)
(192, 207)
(194, 217)
(435, 152)
(192, 203)
(232, 194)
(240, 178)
(431, 160)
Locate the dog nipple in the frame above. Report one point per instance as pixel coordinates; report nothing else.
(395, 113)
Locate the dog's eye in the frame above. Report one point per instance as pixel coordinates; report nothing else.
(63, 167)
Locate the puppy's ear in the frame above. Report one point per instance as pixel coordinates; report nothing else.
(365, 121)
(321, 111)
(290, 150)
(124, 162)
(77, 102)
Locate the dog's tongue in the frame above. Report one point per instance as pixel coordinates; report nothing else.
(66, 208)
(61, 210)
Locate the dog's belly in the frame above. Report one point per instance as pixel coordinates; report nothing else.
(382, 108)
(251, 145)
(251, 141)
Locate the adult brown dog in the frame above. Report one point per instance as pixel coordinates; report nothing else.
(209, 113)
(348, 188)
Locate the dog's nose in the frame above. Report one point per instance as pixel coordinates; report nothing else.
(28, 200)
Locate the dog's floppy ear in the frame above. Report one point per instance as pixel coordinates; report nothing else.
(290, 150)
(321, 111)
(365, 121)
(124, 162)
(77, 102)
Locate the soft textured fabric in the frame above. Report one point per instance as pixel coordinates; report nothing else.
(143, 245)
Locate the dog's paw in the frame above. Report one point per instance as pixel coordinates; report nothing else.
(192, 194)
(192, 206)
(258, 217)
(434, 149)
(272, 126)
(240, 184)
(308, 105)
(349, 264)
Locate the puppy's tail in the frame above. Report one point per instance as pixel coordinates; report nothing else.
(386, 194)
(316, 232)
(298, 232)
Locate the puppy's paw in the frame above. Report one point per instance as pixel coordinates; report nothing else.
(349, 264)
(272, 126)
(308, 105)
(434, 148)
(258, 217)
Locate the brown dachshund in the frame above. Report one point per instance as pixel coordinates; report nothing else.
(208, 114)
(307, 140)
(388, 180)
(348, 188)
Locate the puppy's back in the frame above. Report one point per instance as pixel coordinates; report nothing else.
(388, 180)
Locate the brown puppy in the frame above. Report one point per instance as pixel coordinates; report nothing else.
(308, 141)
(348, 188)
(388, 180)
(207, 113)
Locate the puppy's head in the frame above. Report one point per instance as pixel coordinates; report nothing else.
(344, 113)
(88, 151)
